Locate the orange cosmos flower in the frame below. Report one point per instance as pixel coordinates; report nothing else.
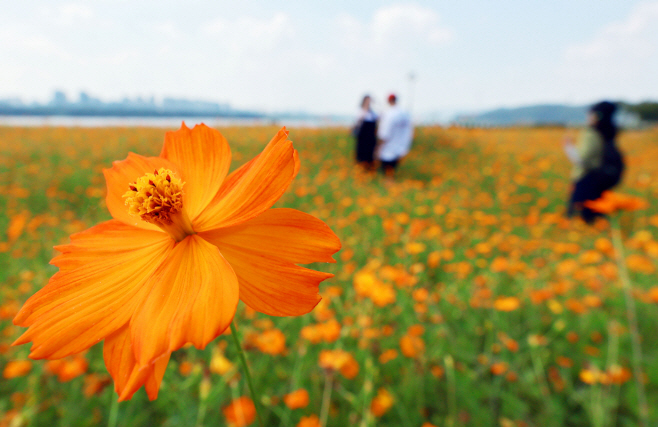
(339, 360)
(186, 242)
(69, 368)
(297, 399)
(503, 303)
(412, 346)
(310, 421)
(271, 342)
(382, 402)
(610, 202)
(240, 412)
(16, 368)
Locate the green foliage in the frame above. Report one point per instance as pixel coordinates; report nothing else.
(648, 111)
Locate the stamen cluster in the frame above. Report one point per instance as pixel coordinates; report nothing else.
(155, 196)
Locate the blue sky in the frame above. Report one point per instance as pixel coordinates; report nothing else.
(323, 56)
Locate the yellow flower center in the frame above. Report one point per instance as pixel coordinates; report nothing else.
(157, 198)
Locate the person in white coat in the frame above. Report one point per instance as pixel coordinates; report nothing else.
(395, 133)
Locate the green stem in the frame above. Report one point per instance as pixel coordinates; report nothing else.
(243, 360)
(201, 414)
(613, 355)
(540, 372)
(367, 391)
(326, 398)
(114, 411)
(452, 390)
(632, 321)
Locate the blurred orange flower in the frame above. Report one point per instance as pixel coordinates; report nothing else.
(507, 303)
(16, 225)
(610, 202)
(499, 368)
(186, 242)
(297, 399)
(589, 376)
(185, 368)
(271, 342)
(387, 356)
(95, 383)
(381, 403)
(16, 368)
(640, 263)
(68, 368)
(652, 294)
(240, 412)
(310, 421)
(218, 363)
(412, 345)
(328, 331)
(619, 374)
(339, 361)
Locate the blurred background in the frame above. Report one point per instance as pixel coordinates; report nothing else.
(449, 61)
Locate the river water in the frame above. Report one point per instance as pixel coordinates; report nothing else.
(159, 122)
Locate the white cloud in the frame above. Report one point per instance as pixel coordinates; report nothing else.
(408, 21)
(620, 60)
(248, 33)
(636, 36)
(166, 29)
(68, 14)
(396, 27)
(16, 40)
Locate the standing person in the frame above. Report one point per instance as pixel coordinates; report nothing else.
(395, 135)
(365, 132)
(597, 163)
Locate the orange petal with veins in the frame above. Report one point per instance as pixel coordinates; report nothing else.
(103, 279)
(273, 286)
(253, 188)
(193, 299)
(204, 156)
(286, 234)
(122, 366)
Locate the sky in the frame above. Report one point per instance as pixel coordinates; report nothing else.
(322, 57)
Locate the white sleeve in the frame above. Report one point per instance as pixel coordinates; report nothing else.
(384, 127)
(572, 153)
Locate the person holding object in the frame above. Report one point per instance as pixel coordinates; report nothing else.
(365, 132)
(597, 163)
(395, 133)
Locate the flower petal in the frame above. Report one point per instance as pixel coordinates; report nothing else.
(253, 188)
(119, 357)
(271, 285)
(102, 280)
(204, 156)
(122, 366)
(193, 299)
(286, 234)
(124, 172)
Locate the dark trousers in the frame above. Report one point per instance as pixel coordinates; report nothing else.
(589, 187)
(366, 142)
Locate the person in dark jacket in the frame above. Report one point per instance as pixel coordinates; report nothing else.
(365, 132)
(597, 163)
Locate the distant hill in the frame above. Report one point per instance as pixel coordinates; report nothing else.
(549, 114)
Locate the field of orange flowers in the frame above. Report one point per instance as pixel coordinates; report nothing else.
(461, 296)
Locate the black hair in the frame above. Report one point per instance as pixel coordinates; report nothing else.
(605, 124)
